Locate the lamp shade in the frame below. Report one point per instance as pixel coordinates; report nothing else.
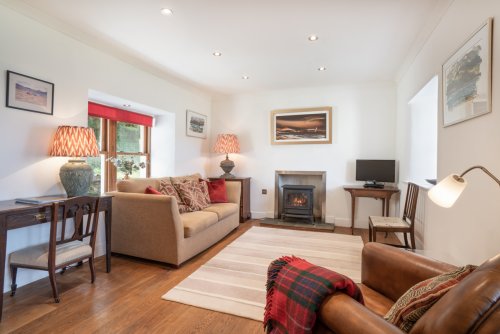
(227, 143)
(446, 192)
(74, 141)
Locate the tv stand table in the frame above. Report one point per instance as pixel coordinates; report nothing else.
(359, 191)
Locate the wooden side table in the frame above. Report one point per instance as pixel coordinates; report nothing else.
(359, 191)
(245, 196)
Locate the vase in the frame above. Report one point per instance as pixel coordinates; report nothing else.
(126, 177)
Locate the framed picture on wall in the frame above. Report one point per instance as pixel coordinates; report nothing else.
(467, 78)
(301, 126)
(196, 124)
(28, 93)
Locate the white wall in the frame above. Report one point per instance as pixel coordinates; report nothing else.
(36, 50)
(468, 232)
(363, 127)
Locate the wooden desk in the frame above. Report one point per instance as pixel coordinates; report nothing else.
(14, 215)
(360, 191)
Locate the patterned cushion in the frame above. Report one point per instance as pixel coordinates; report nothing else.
(204, 189)
(182, 179)
(192, 194)
(419, 298)
(166, 188)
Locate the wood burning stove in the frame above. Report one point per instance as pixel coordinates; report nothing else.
(298, 201)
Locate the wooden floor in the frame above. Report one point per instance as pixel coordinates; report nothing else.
(127, 300)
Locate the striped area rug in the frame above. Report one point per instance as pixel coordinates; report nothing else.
(234, 280)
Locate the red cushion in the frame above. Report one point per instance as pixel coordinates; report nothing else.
(152, 191)
(217, 191)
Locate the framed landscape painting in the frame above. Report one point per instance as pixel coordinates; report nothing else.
(301, 126)
(196, 124)
(467, 78)
(28, 93)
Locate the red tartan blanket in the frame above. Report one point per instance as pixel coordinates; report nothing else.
(295, 291)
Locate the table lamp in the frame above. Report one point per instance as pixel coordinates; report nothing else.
(75, 141)
(227, 143)
(446, 192)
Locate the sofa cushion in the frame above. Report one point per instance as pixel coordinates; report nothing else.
(223, 210)
(166, 188)
(137, 185)
(419, 298)
(197, 221)
(192, 195)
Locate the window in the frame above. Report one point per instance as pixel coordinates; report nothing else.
(423, 133)
(118, 140)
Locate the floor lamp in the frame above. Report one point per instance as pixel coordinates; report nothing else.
(446, 192)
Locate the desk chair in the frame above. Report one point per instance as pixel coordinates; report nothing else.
(62, 250)
(396, 224)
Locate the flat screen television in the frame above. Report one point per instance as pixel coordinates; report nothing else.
(375, 171)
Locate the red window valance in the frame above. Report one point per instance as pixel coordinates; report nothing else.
(120, 115)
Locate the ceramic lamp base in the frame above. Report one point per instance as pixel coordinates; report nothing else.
(76, 177)
(227, 166)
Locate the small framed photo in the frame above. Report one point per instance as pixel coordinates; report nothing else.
(467, 78)
(301, 126)
(28, 93)
(196, 124)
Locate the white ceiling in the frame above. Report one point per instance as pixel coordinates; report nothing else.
(359, 40)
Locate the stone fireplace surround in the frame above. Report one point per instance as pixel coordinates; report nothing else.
(315, 178)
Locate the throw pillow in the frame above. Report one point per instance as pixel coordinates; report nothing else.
(152, 191)
(204, 189)
(181, 179)
(192, 194)
(166, 188)
(412, 305)
(217, 191)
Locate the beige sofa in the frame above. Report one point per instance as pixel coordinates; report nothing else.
(151, 227)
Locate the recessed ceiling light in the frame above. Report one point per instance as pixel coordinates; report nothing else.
(322, 68)
(166, 11)
(127, 105)
(245, 77)
(217, 54)
(313, 38)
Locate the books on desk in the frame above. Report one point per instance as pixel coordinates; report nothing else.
(40, 199)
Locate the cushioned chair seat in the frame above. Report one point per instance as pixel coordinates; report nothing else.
(223, 210)
(38, 255)
(388, 222)
(197, 221)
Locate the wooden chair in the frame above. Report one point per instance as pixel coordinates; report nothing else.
(396, 224)
(62, 250)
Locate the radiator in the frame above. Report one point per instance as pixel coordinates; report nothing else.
(420, 218)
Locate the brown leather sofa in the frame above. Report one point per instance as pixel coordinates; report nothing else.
(387, 272)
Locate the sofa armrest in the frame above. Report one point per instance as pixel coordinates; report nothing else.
(342, 314)
(233, 190)
(391, 271)
(143, 222)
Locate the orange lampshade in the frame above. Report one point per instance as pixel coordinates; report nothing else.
(74, 141)
(227, 143)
